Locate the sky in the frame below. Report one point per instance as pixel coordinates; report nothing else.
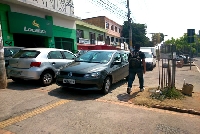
(170, 17)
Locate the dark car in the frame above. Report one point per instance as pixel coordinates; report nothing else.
(95, 70)
(9, 52)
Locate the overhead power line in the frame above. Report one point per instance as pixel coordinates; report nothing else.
(115, 7)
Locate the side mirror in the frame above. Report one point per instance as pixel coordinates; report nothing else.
(154, 56)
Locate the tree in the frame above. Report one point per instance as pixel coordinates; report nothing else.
(182, 45)
(138, 33)
(157, 38)
(3, 79)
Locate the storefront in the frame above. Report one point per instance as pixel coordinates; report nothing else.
(23, 28)
(29, 31)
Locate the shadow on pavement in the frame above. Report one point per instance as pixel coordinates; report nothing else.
(126, 97)
(22, 85)
(80, 95)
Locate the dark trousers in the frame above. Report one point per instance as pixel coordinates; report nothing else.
(132, 73)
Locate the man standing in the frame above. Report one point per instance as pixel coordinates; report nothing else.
(137, 66)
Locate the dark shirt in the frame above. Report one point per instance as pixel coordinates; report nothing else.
(141, 55)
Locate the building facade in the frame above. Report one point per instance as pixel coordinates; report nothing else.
(38, 23)
(113, 29)
(89, 34)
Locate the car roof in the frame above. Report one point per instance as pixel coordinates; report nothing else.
(107, 50)
(12, 47)
(46, 49)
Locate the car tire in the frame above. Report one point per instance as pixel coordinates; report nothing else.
(46, 78)
(106, 85)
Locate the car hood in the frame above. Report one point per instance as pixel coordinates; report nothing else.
(84, 67)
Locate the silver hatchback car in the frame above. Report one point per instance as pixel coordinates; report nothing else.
(38, 64)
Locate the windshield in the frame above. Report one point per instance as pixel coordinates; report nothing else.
(148, 55)
(95, 57)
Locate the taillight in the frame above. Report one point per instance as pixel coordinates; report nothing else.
(35, 64)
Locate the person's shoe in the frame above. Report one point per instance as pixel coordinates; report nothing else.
(141, 89)
(128, 90)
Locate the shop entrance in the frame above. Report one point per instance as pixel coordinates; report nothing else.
(29, 41)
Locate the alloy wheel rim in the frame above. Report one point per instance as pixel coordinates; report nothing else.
(107, 85)
(47, 78)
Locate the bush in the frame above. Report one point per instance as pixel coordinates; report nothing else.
(168, 93)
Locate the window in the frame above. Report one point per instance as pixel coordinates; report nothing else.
(119, 30)
(125, 57)
(117, 57)
(92, 37)
(115, 29)
(69, 55)
(64, 43)
(100, 37)
(26, 54)
(79, 33)
(107, 25)
(112, 39)
(112, 27)
(55, 55)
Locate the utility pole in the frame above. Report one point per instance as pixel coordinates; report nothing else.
(130, 28)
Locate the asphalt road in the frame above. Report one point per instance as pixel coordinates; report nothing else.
(28, 108)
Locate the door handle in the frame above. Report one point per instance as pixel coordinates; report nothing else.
(53, 63)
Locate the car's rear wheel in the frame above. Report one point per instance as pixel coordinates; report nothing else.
(46, 78)
(106, 85)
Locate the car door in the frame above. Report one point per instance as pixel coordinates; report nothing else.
(116, 69)
(125, 64)
(56, 59)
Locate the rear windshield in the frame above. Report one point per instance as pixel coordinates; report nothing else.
(26, 54)
(148, 55)
(10, 51)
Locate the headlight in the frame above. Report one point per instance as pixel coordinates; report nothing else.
(93, 75)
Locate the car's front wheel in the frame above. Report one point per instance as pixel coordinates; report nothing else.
(106, 85)
(46, 78)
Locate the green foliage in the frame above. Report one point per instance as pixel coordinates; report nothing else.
(168, 93)
(183, 46)
(172, 93)
(138, 33)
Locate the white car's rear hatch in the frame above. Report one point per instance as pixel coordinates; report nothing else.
(24, 59)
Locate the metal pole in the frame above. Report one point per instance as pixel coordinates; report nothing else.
(130, 28)
(190, 55)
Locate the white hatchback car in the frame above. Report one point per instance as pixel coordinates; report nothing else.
(38, 64)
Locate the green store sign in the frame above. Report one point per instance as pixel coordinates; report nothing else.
(26, 24)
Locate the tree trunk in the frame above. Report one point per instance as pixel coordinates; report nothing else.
(3, 78)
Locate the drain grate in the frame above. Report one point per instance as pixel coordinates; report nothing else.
(170, 129)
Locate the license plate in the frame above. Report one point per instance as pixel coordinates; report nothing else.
(12, 72)
(70, 81)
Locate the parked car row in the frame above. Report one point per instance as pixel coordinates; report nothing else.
(91, 70)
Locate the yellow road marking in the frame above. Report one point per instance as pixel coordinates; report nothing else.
(30, 114)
